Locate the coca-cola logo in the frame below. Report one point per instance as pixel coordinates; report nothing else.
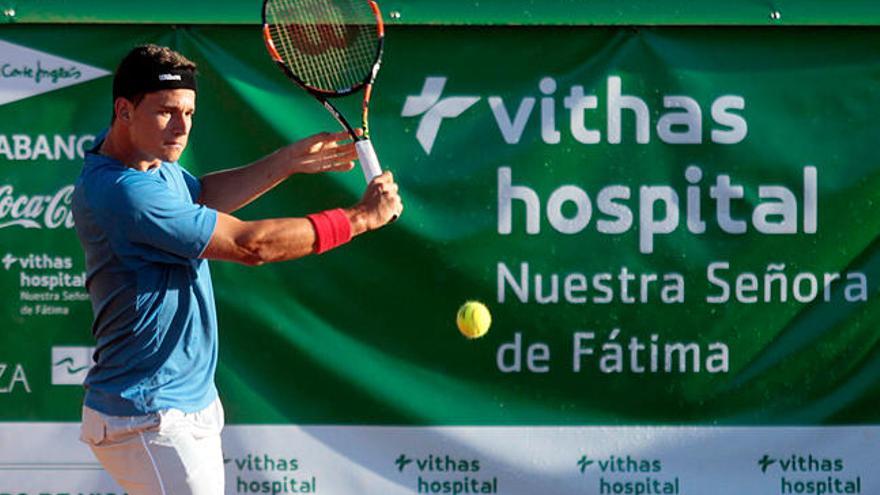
(51, 211)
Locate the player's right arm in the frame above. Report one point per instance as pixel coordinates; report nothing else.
(279, 239)
(229, 190)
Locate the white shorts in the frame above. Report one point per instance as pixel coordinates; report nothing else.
(164, 453)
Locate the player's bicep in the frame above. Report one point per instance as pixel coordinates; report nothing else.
(229, 242)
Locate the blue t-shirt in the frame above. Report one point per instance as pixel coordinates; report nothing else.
(154, 317)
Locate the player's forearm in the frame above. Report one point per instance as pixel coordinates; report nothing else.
(282, 239)
(229, 190)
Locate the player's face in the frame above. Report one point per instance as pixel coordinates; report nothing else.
(161, 123)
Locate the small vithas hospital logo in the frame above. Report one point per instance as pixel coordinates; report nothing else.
(25, 72)
(70, 364)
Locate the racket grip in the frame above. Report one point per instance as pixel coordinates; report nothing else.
(369, 160)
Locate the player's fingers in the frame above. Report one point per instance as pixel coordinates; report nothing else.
(323, 140)
(384, 178)
(333, 140)
(340, 137)
(339, 145)
(389, 188)
(396, 208)
(317, 138)
(342, 166)
(343, 154)
(339, 166)
(329, 160)
(322, 161)
(348, 148)
(323, 136)
(386, 185)
(350, 156)
(336, 163)
(391, 202)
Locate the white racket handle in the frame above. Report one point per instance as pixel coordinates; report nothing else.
(369, 160)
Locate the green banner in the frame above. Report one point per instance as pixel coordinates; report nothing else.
(669, 226)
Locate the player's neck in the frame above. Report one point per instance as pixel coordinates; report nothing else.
(118, 145)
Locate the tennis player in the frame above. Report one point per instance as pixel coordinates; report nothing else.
(152, 415)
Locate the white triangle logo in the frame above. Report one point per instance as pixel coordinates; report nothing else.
(25, 72)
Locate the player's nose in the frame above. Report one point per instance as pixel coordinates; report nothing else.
(179, 125)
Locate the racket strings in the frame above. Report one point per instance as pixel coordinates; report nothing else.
(330, 46)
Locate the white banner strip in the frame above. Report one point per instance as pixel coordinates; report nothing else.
(47, 458)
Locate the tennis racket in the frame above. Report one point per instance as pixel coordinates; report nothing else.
(330, 48)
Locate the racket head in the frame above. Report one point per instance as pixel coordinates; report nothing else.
(329, 47)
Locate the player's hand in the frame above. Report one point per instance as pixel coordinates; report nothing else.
(323, 152)
(381, 204)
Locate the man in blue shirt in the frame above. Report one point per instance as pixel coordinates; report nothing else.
(151, 413)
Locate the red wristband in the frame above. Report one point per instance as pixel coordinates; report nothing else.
(332, 229)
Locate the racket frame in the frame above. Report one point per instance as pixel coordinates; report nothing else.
(324, 96)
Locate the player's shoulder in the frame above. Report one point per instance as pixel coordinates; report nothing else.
(112, 185)
(172, 169)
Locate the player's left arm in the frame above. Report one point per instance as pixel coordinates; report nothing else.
(229, 190)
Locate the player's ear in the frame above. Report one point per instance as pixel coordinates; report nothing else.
(123, 109)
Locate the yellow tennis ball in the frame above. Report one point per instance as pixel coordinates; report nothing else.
(473, 319)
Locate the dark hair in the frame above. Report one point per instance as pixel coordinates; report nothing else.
(141, 64)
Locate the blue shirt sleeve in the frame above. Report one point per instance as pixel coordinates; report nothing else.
(192, 183)
(147, 213)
